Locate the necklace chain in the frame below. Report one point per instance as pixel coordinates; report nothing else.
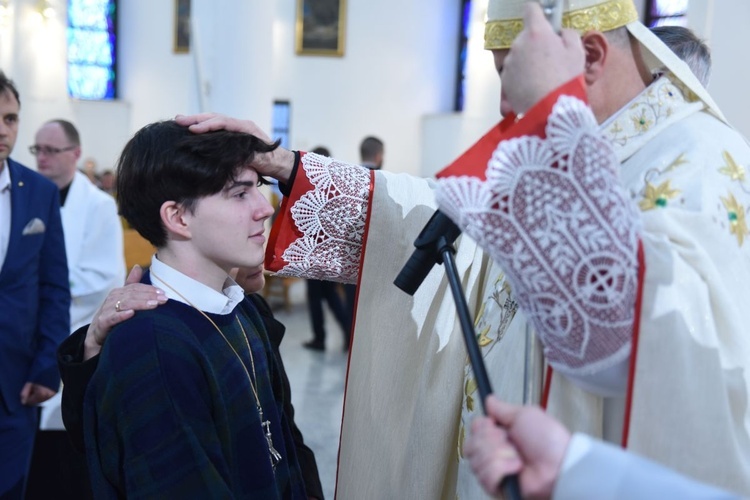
(266, 424)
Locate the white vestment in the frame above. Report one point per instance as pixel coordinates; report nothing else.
(409, 394)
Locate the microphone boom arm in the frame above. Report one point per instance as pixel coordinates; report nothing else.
(434, 245)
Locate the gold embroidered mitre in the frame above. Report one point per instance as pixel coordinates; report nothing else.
(505, 18)
(505, 22)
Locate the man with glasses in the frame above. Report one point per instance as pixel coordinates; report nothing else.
(96, 265)
(93, 233)
(34, 298)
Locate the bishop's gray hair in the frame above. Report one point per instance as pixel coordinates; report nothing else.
(688, 47)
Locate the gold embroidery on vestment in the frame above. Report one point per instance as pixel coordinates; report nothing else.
(736, 216)
(732, 169)
(657, 196)
(461, 438)
(641, 122)
(680, 160)
(654, 106)
(482, 337)
(470, 388)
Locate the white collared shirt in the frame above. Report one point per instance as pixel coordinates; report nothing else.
(194, 292)
(4, 211)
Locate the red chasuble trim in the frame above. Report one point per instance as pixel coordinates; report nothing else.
(634, 346)
(547, 384)
(473, 162)
(284, 231)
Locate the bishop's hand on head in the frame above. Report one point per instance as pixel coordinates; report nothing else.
(278, 163)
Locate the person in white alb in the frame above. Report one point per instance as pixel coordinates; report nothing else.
(93, 231)
(96, 265)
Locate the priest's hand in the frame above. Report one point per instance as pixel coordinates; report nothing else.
(277, 164)
(521, 440)
(120, 304)
(539, 60)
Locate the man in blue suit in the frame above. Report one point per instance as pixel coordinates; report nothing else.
(34, 298)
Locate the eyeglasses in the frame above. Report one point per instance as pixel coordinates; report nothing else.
(48, 151)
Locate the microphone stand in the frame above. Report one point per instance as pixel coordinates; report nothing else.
(441, 246)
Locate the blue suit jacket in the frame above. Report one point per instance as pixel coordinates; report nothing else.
(34, 289)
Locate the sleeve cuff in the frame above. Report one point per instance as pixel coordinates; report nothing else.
(579, 446)
(286, 188)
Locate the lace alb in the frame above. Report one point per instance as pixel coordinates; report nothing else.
(331, 219)
(553, 214)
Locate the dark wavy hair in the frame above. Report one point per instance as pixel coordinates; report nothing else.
(7, 85)
(164, 161)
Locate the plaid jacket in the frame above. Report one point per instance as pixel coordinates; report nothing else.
(170, 412)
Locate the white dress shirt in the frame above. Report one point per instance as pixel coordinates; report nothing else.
(4, 211)
(182, 288)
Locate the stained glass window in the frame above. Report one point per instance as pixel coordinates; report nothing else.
(463, 43)
(92, 36)
(666, 13)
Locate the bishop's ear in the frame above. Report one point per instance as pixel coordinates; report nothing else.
(597, 47)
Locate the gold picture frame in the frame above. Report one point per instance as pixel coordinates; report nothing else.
(181, 26)
(320, 27)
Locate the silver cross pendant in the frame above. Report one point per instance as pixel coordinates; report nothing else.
(275, 456)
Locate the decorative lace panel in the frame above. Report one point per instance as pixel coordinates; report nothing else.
(331, 219)
(553, 214)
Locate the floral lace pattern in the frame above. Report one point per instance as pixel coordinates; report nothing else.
(552, 213)
(331, 218)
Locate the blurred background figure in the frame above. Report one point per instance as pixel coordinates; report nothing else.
(371, 153)
(93, 234)
(107, 182)
(89, 169)
(96, 265)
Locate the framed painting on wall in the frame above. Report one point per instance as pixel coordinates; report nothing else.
(181, 26)
(321, 27)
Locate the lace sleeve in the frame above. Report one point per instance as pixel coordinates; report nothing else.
(553, 214)
(329, 220)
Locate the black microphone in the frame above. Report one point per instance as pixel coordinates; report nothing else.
(438, 232)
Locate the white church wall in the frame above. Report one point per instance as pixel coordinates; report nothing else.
(398, 65)
(395, 81)
(724, 24)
